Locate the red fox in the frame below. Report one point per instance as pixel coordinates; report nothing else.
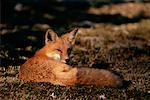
(49, 65)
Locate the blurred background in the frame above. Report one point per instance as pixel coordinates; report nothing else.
(24, 22)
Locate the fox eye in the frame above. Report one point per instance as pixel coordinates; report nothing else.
(59, 50)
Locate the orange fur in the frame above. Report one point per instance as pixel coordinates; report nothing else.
(48, 65)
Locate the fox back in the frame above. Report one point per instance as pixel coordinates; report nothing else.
(49, 65)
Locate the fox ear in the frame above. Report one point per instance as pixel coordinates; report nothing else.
(72, 35)
(53, 35)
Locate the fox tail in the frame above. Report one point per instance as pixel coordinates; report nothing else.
(98, 77)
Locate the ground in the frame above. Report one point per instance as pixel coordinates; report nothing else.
(115, 37)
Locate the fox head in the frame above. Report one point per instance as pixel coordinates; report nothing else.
(59, 48)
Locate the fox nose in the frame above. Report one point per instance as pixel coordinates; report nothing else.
(66, 59)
